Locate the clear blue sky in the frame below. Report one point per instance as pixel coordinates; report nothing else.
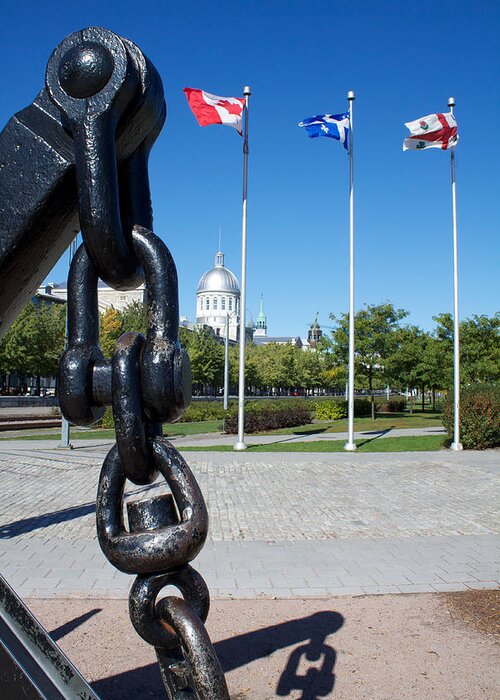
(300, 59)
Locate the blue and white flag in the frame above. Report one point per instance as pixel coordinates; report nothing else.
(335, 126)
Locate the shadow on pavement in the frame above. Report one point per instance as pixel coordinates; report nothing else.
(36, 522)
(68, 627)
(308, 669)
(376, 435)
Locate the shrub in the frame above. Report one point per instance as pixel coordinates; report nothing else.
(479, 416)
(362, 407)
(107, 421)
(203, 410)
(331, 410)
(268, 415)
(196, 411)
(391, 406)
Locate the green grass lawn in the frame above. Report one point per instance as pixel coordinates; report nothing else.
(384, 421)
(169, 430)
(427, 443)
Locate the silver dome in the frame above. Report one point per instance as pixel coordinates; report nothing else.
(218, 279)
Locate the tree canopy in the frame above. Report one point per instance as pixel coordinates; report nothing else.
(386, 351)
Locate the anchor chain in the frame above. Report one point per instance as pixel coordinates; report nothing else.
(99, 80)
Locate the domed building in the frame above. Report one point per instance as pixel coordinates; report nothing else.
(218, 299)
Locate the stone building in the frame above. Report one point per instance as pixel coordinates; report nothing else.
(218, 299)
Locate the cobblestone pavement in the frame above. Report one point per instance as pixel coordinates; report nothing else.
(281, 524)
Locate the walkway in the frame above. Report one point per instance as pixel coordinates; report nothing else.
(281, 524)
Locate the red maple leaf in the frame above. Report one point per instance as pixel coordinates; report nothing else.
(232, 107)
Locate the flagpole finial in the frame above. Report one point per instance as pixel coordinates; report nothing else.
(246, 90)
(351, 95)
(451, 101)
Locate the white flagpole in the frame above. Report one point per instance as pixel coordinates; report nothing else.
(240, 445)
(226, 362)
(456, 444)
(350, 445)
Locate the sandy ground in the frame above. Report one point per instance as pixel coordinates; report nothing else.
(379, 647)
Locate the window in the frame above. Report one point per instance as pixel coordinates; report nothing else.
(208, 303)
(230, 303)
(223, 303)
(201, 303)
(215, 303)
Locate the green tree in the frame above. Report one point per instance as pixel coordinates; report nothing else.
(253, 368)
(207, 359)
(35, 341)
(443, 335)
(480, 349)
(415, 362)
(110, 330)
(374, 342)
(334, 368)
(310, 367)
(134, 317)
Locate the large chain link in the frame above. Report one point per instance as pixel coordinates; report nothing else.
(98, 80)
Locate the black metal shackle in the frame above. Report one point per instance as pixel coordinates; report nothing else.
(133, 431)
(165, 366)
(75, 380)
(99, 81)
(143, 600)
(151, 550)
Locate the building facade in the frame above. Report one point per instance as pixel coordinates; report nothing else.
(106, 296)
(218, 299)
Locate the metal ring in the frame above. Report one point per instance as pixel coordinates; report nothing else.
(142, 603)
(130, 426)
(204, 666)
(162, 549)
(165, 367)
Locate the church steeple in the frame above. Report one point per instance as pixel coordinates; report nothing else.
(219, 259)
(261, 326)
(315, 333)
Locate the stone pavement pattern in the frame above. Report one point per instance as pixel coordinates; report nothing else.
(281, 524)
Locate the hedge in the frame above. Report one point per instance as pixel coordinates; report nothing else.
(479, 416)
(269, 415)
(391, 406)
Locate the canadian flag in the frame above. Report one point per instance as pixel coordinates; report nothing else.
(212, 109)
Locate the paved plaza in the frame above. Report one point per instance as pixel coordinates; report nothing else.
(281, 525)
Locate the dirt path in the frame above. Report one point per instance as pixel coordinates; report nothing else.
(401, 647)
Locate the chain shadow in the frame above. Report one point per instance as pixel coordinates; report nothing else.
(310, 632)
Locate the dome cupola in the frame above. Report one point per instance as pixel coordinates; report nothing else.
(218, 279)
(218, 299)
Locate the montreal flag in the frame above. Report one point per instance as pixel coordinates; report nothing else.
(212, 109)
(433, 131)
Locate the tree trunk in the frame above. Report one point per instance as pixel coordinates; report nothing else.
(433, 399)
(372, 399)
(423, 398)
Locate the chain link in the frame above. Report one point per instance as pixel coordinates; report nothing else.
(100, 82)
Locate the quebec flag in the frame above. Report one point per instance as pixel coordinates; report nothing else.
(335, 126)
